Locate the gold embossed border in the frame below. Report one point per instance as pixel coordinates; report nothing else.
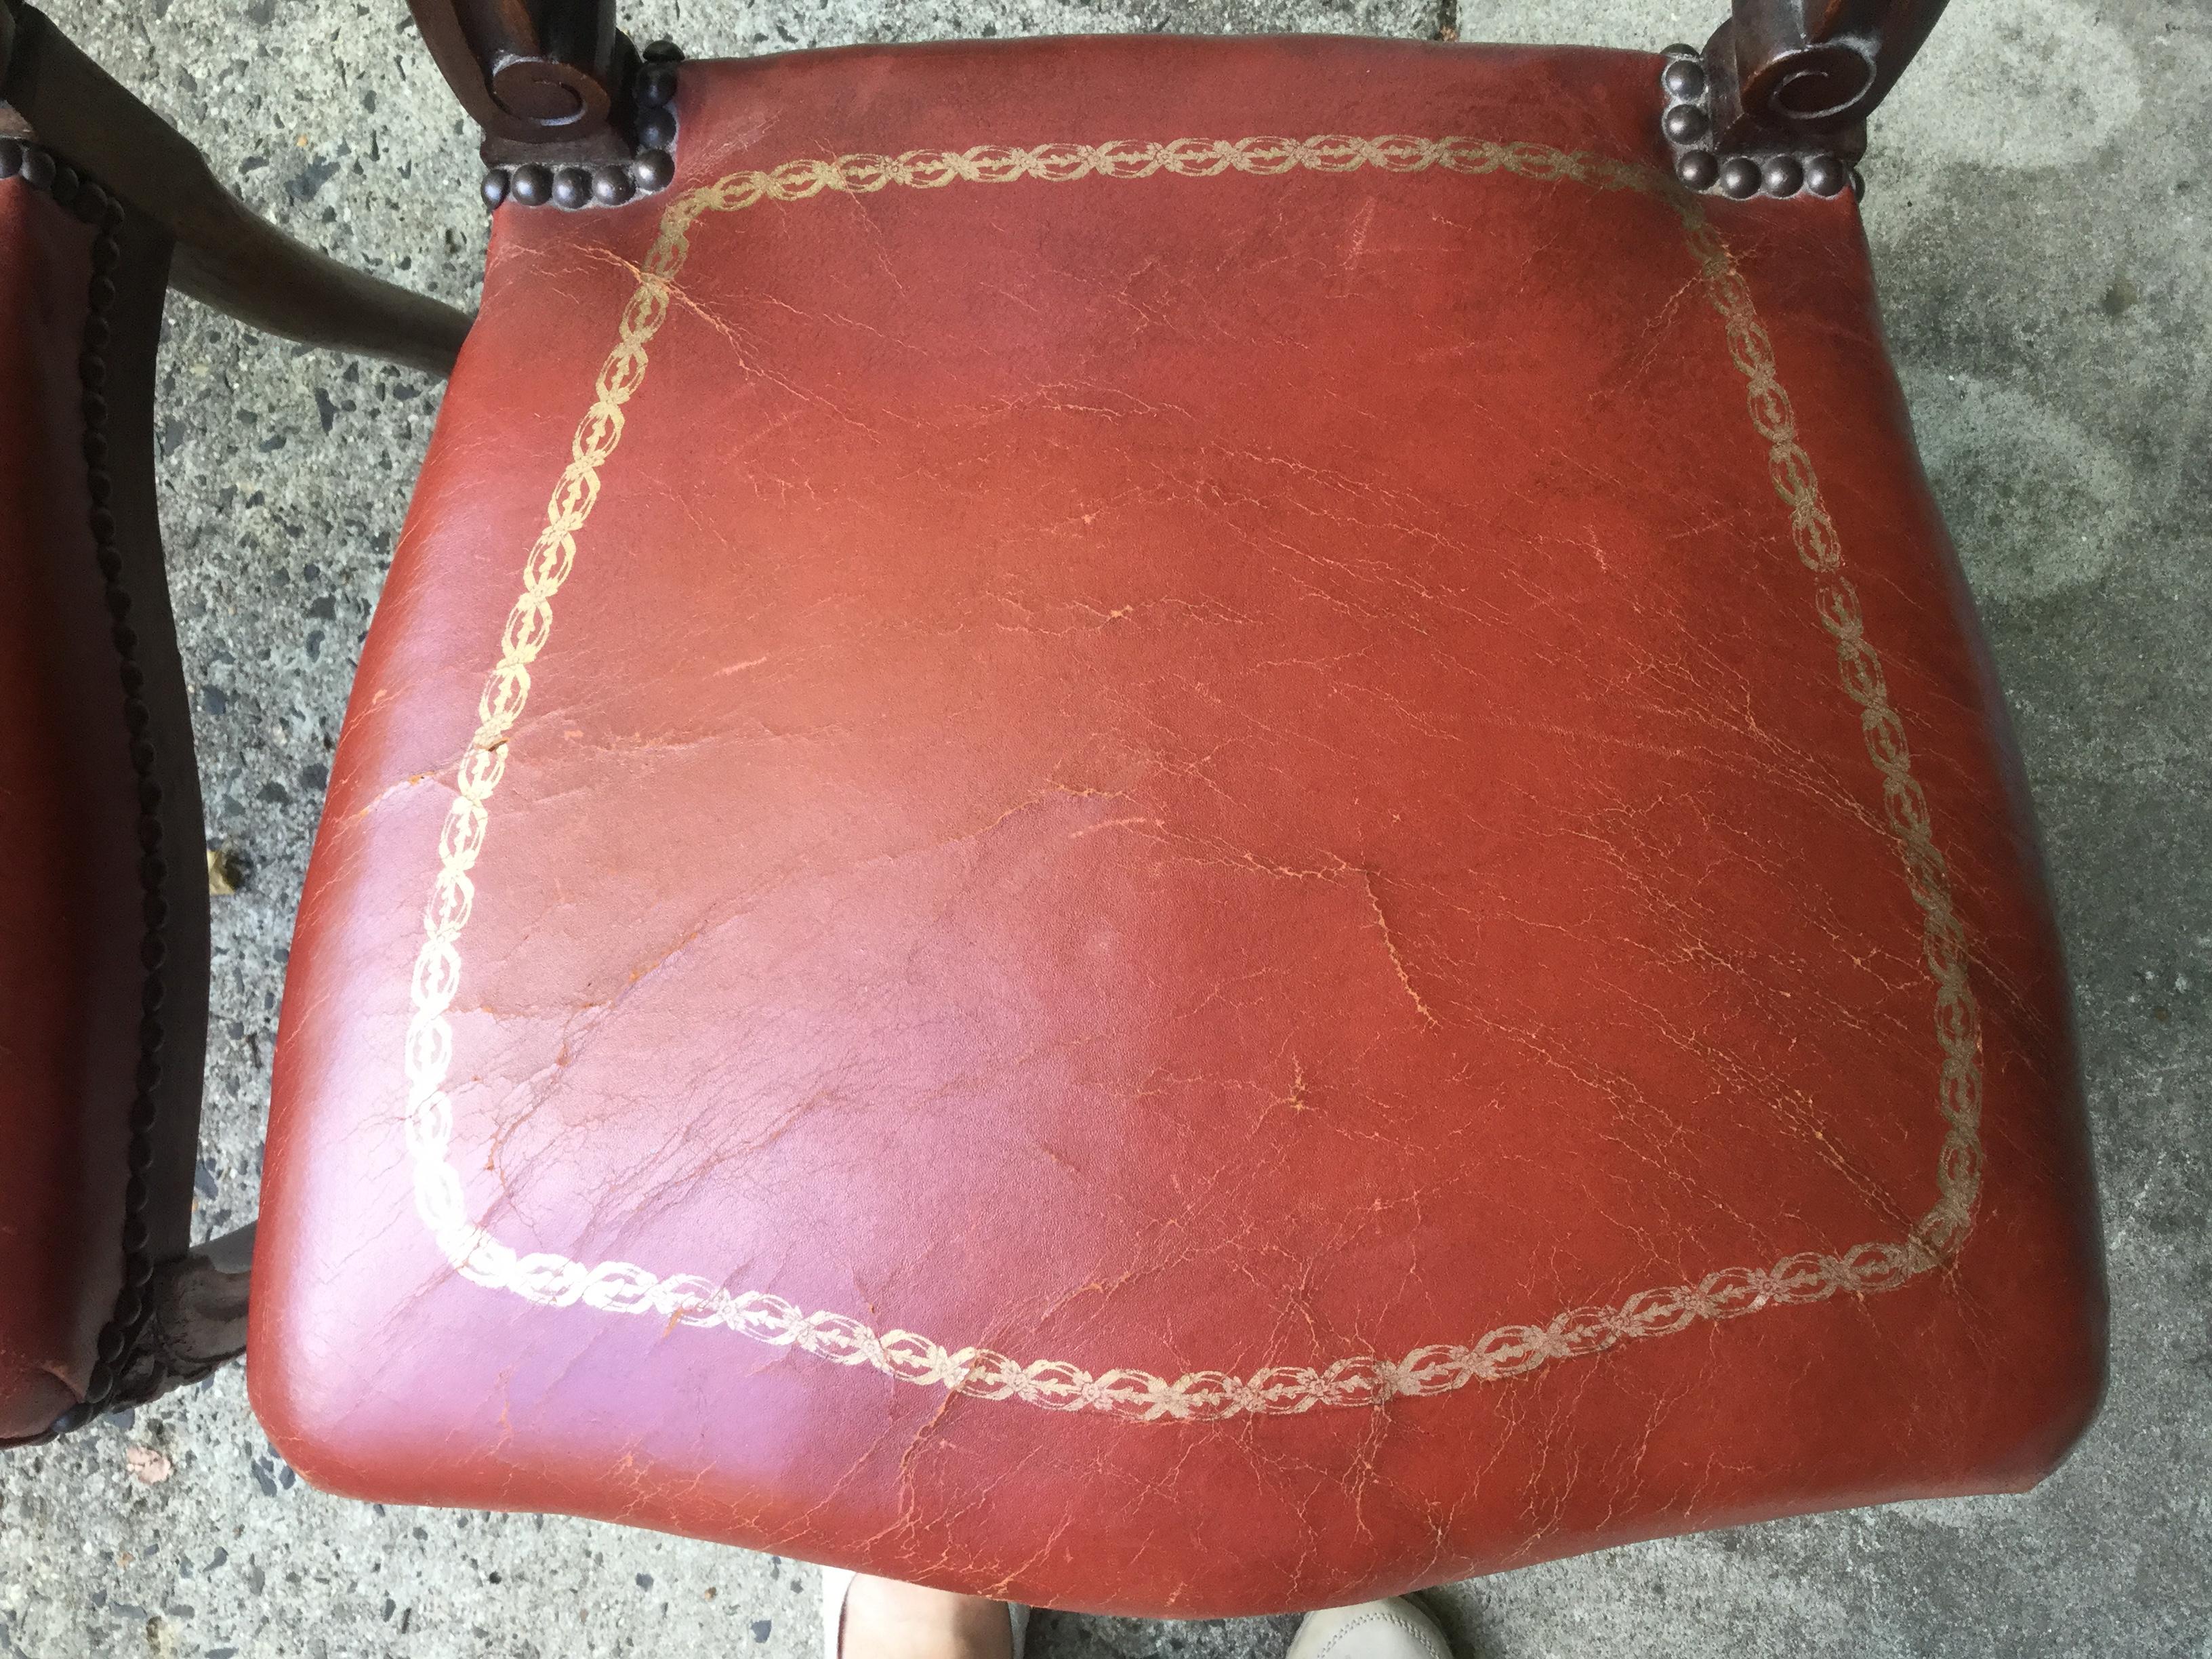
(622, 1288)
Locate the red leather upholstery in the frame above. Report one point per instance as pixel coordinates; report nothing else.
(1198, 875)
(69, 969)
(102, 977)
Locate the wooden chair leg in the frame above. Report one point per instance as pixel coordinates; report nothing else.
(198, 1320)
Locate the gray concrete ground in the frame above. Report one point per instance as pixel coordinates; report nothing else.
(2041, 212)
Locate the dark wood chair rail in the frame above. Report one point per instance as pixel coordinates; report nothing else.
(225, 256)
(539, 76)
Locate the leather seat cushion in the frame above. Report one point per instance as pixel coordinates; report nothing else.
(1094, 850)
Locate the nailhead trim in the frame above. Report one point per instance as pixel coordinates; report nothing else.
(610, 184)
(90, 202)
(1687, 124)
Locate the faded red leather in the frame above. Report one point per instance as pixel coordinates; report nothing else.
(1175, 774)
(69, 909)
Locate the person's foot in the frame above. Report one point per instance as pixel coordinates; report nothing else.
(1393, 1629)
(885, 1619)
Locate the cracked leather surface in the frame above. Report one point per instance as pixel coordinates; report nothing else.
(1180, 774)
(69, 908)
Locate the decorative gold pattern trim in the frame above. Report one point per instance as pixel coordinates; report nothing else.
(554, 1280)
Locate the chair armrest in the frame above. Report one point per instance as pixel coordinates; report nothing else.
(225, 256)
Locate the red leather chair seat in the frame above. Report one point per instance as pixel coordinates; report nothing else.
(1164, 868)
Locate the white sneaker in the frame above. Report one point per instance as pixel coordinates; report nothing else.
(837, 1582)
(1395, 1629)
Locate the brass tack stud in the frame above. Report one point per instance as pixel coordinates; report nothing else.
(532, 183)
(1684, 78)
(1825, 175)
(1698, 168)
